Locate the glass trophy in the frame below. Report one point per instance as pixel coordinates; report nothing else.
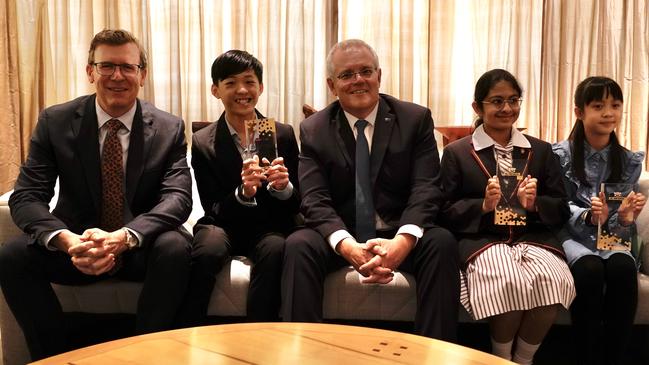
(261, 140)
(612, 235)
(509, 211)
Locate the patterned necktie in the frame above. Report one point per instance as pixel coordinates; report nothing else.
(365, 222)
(112, 179)
(504, 156)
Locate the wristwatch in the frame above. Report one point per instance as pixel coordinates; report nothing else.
(131, 241)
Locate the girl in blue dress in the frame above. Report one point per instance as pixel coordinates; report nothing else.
(605, 280)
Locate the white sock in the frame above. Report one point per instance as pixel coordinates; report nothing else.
(524, 353)
(501, 349)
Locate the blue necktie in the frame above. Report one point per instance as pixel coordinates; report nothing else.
(365, 221)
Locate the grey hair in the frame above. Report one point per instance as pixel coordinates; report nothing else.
(345, 45)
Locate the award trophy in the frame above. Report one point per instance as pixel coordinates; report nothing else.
(613, 236)
(509, 211)
(261, 140)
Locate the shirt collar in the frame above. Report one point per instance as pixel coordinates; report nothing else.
(371, 118)
(126, 118)
(590, 152)
(481, 139)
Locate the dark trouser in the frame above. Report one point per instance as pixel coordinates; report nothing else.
(607, 291)
(433, 262)
(212, 249)
(26, 272)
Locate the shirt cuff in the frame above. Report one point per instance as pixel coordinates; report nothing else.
(251, 203)
(335, 238)
(48, 238)
(137, 235)
(281, 194)
(413, 230)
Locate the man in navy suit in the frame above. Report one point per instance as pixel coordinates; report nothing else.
(124, 192)
(379, 225)
(248, 211)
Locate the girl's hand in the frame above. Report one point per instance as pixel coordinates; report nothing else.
(598, 209)
(527, 193)
(640, 201)
(491, 195)
(626, 211)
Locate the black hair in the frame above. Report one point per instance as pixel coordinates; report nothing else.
(487, 81)
(595, 88)
(235, 62)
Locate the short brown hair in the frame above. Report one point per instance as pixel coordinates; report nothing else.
(115, 37)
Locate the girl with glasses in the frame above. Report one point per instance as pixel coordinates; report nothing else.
(504, 193)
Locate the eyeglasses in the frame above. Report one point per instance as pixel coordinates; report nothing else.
(499, 103)
(365, 73)
(108, 68)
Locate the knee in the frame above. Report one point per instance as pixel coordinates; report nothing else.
(441, 242)
(273, 245)
(621, 267)
(171, 245)
(12, 256)
(210, 245)
(588, 271)
(302, 244)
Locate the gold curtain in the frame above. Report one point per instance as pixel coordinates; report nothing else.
(431, 53)
(10, 132)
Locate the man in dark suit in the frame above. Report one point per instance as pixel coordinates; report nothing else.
(368, 175)
(248, 211)
(124, 191)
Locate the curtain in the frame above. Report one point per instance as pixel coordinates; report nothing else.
(431, 53)
(587, 38)
(10, 131)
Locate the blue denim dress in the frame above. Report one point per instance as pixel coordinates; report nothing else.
(580, 239)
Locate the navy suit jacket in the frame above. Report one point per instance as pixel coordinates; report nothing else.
(217, 168)
(404, 167)
(65, 145)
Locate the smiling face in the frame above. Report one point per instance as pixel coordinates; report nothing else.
(601, 117)
(117, 93)
(358, 95)
(494, 119)
(239, 94)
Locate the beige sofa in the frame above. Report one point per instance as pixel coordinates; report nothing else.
(345, 297)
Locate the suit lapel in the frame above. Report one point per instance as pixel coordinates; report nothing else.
(141, 138)
(85, 128)
(344, 137)
(486, 156)
(382, 131)
(226, 151)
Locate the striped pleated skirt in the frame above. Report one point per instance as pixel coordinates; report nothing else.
(507, 278)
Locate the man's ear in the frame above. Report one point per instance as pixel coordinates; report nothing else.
(330, 84)
(215, 91)
(91, 77)
(261, 88)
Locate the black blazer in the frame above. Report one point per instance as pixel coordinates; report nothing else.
(404, 167)
(65, 145)
(217, 169)
(464, 183)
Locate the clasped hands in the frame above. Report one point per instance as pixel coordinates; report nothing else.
(253, 175)
(94, 251)
(377, 258)
(627, 212)
(526, 193)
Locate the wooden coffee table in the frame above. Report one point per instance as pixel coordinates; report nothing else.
(276, 343)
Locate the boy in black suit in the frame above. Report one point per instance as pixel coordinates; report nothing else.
(247, 211)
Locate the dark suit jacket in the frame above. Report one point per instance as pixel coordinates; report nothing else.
(464, 183)
(65, 145)
(404, 167)
(217, 169)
